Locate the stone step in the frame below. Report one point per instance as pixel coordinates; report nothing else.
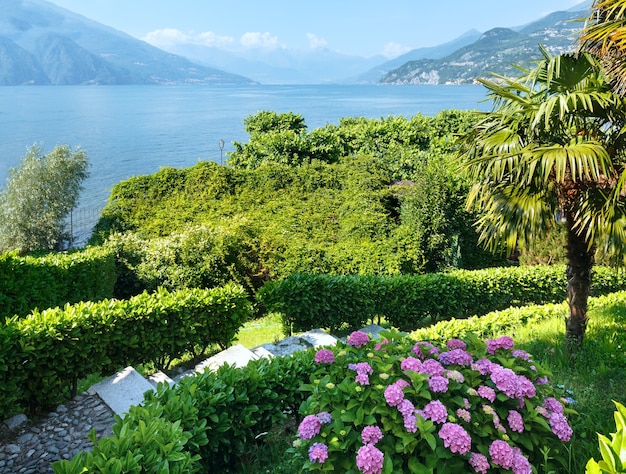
(127, 387)
(122, 390)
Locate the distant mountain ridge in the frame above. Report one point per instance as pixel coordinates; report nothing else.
(498, 50)
(42, 44)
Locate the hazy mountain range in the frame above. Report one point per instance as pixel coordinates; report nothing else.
(42, 44)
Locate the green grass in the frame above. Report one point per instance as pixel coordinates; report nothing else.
(268, 329)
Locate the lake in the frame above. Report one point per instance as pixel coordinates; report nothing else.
(134, 130)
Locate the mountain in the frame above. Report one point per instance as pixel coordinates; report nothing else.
(281, 66)
(43, 44)
(498, 50)
(433, 52)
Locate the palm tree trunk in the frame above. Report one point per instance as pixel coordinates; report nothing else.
(578, 272)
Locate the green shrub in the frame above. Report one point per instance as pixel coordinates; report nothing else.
(44, 354)
(55, 279)
(214, 419)
(308, 301)
(614, 450)
(399, 405)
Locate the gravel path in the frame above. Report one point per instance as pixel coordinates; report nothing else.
(59, 435)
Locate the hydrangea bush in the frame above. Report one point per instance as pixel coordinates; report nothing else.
(396, 405)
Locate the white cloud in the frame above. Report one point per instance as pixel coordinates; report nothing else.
(171, 36)
(315, 42)
(393, 50)
(259, 40)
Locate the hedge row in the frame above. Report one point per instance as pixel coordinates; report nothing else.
(43, 355)
(308, 301)
(55, 279)
(207, 423)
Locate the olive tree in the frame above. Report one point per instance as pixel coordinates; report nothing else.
(39, 194)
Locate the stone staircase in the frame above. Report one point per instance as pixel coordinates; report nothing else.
(127, 387)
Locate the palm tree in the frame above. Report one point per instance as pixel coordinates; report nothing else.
(553, 149)
(604, 35)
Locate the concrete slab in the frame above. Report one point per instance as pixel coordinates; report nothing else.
(237, 355)
(373, 330)
(318, 338)
(262, 353)
(122, 390)
(159, 377)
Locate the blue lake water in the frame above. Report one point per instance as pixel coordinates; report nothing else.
(133, 130)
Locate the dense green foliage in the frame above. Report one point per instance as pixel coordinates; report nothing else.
(388, 202)
(44, 354)
(208, 423)
(55, 279)
(308, 301)
(39, 195)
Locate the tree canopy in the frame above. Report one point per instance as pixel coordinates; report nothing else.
(39, 195)
(553, 149)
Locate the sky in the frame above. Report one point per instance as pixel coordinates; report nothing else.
(356, 27)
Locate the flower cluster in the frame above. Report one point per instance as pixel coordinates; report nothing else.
(358, 339)
(363, 371)
(472, 406)
(325, 356)
(369, 458)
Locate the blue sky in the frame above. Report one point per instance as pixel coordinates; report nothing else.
(357, 27)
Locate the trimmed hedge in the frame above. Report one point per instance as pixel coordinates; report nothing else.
(55, 279)
(207, 423)
(43, 355)
(308, 301)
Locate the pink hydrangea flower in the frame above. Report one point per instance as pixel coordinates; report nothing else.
(438, 384)
(371, 435)
(464, 415)
(479, 463)
(501, 454)
(325, 356)
(379, 345)
(504, 342)
(406, 407)
(553, 405)
(309, 427)
(431, 367)
(324, 417)
(520, 464)
(411, 363)
(559, 426)
(410, 423)
(363, 370)
(487, 392)
(516, 423)
(362, 379)
(394, 395)
(455, 375)
(402, 383)
(435, 411)
(456, 344)
(483, 366)
(358, 339)
(456, 356)
(520, 354)
(455, 438)
(369, 459)
(423, 348)
(511, 384)
(318, 452)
